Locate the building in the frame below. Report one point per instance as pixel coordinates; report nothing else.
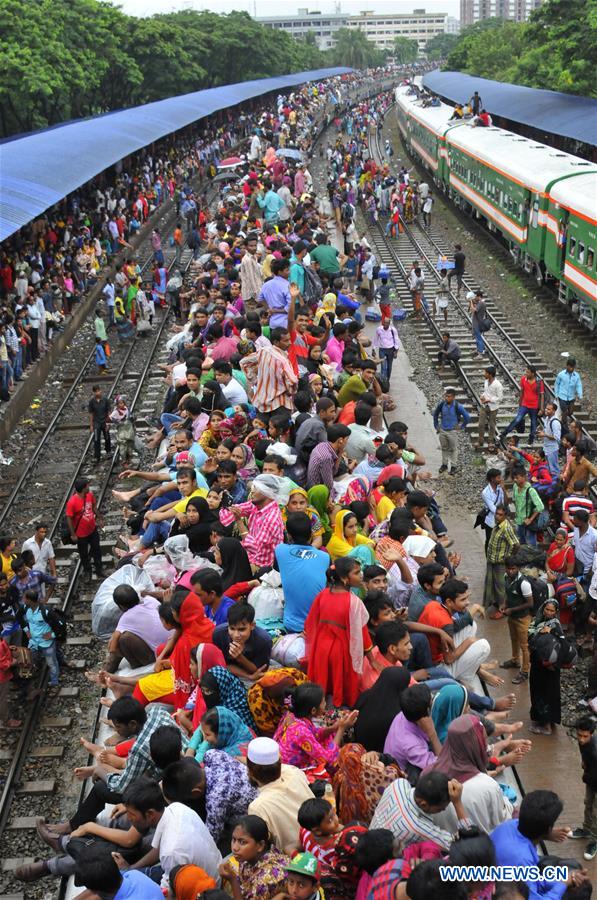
(305, 22)
(472, 11)
(380, 29)
(452, 25)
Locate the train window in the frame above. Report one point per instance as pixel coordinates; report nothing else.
(572, 247)
(590, 258)
(581, 252)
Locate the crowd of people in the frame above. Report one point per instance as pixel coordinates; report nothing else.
(301, 705)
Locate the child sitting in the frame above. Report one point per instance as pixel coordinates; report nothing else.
(220, 729)
(319, 830)
(302, 881)
(246, 647)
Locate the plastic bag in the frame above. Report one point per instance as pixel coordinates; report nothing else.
(289, 650)
(161, 572)
(373, 313)
(104, 612)
(268, 598)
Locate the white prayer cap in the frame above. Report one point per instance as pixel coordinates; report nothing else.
(263, 751)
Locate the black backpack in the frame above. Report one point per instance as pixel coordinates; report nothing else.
(552, 651)
(55, 619)
(313, 287)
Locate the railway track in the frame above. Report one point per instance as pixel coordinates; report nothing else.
(506, 348)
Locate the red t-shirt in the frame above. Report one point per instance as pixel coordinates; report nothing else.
(531, 392)
(82, 514)
(299, 348)
(437, 616)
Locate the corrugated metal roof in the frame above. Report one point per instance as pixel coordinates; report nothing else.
(39, 170)
(564, 114)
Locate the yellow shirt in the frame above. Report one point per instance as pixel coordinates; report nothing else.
(181, 506)
(7, 562)
(278, 804)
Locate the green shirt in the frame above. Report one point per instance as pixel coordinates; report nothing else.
(327, 257)
(100, 329)
(526, 502)
(351, 390)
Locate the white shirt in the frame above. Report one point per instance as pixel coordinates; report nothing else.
(493, 393)
(181, 838)
(427, 204)
(109, 293)
(41, 554)
(492, 497)
(423, 190)
(585, 547)
(235, 392)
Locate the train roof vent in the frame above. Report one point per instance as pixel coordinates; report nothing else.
(581, 163)
(557, 155)
(538, 147)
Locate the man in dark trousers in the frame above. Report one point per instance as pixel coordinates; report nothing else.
(458, 270)
(99, 410)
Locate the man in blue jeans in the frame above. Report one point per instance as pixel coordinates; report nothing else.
(42, 640)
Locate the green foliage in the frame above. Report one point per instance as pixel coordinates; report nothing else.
(63, 59)
(355, 50)
(405, 49)
(440, 45)
(556, 49)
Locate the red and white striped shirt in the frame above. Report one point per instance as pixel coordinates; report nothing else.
(270, 371)
(266, 530)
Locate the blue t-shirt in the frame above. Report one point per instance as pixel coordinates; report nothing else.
(220, 617)
(137, 886)
(302, 570)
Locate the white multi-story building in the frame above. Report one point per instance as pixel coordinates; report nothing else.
(452, 25)
(380, 29)
(472, 11)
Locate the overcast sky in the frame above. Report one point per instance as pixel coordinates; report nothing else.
(273, 8)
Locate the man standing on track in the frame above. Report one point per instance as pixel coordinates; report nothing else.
(447, 417)
(458, 270)
(99, 410)
(568, 388)
(81, 515)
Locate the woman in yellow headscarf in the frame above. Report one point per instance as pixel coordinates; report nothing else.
(346, 540)
(298, 501)
(326, 307)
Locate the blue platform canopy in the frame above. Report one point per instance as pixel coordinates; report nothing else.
(40, 169)
(550, 111)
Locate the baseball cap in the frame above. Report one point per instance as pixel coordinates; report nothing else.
(304, 864)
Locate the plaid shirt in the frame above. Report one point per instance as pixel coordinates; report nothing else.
(266, 530)
(139, 761)
(503, 539)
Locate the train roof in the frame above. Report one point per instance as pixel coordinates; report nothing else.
(578, 194)
(435, 117)
(40, 169)
(532, 164)
(550, 111)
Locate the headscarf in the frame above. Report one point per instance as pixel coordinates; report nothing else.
(338, 545)
(359, 785)
(464, 753)
(235, 562)
(208, 656)
(318, 497)
(196, 629)
(267, 704)
(448, 704)
(358, 489)
(232, 693)
(540, 621)
(249, 467)
(418, 545)
(198, 535)
(271, 486)
(189, 881)
(177, 550)
(234, 427)
(232, 731)
(379, 706)
(213, 397)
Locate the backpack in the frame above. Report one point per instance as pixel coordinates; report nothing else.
(566, 591)
(346, 213)
(55, 619)
(542, 520)
(540, 590)
(552, 651)
(313, 287)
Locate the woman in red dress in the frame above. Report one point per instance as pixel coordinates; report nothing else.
(336, 634)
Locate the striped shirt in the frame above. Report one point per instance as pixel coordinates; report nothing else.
(398, 812)
(270, 370)
(323, 465)
(266, 530)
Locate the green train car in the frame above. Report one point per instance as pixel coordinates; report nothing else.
(540, 200)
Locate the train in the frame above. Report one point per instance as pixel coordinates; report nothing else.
(541, 201)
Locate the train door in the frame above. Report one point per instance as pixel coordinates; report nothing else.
(556, 238)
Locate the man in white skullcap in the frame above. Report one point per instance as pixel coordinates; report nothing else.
(281, 791)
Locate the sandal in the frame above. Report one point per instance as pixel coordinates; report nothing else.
(13, 723)
(510, 664)
(520, 678)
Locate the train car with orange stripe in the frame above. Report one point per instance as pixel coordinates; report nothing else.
(521, 189)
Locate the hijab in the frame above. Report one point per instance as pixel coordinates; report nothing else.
(318, 497)
(338, 545)
(199, 534)
(540, 621)
(235, 562)
(213, 397)
(379, 706)
(190, 881)
(464, 753)
(448, 704)
(208, 656)
(232, 731)
(196, 629)
(231, 690)
(249, 467)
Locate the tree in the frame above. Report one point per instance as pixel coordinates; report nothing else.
(440, 45)
(406, 50)
(355, 50)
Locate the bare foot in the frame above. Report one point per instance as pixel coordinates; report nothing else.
(91, 748)
(105, 701)
(123, 496)
(97, 677)
(508, 727)
(506, 702)
(119, 690)
(119, 553)
(84, 772)
(491, 679)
